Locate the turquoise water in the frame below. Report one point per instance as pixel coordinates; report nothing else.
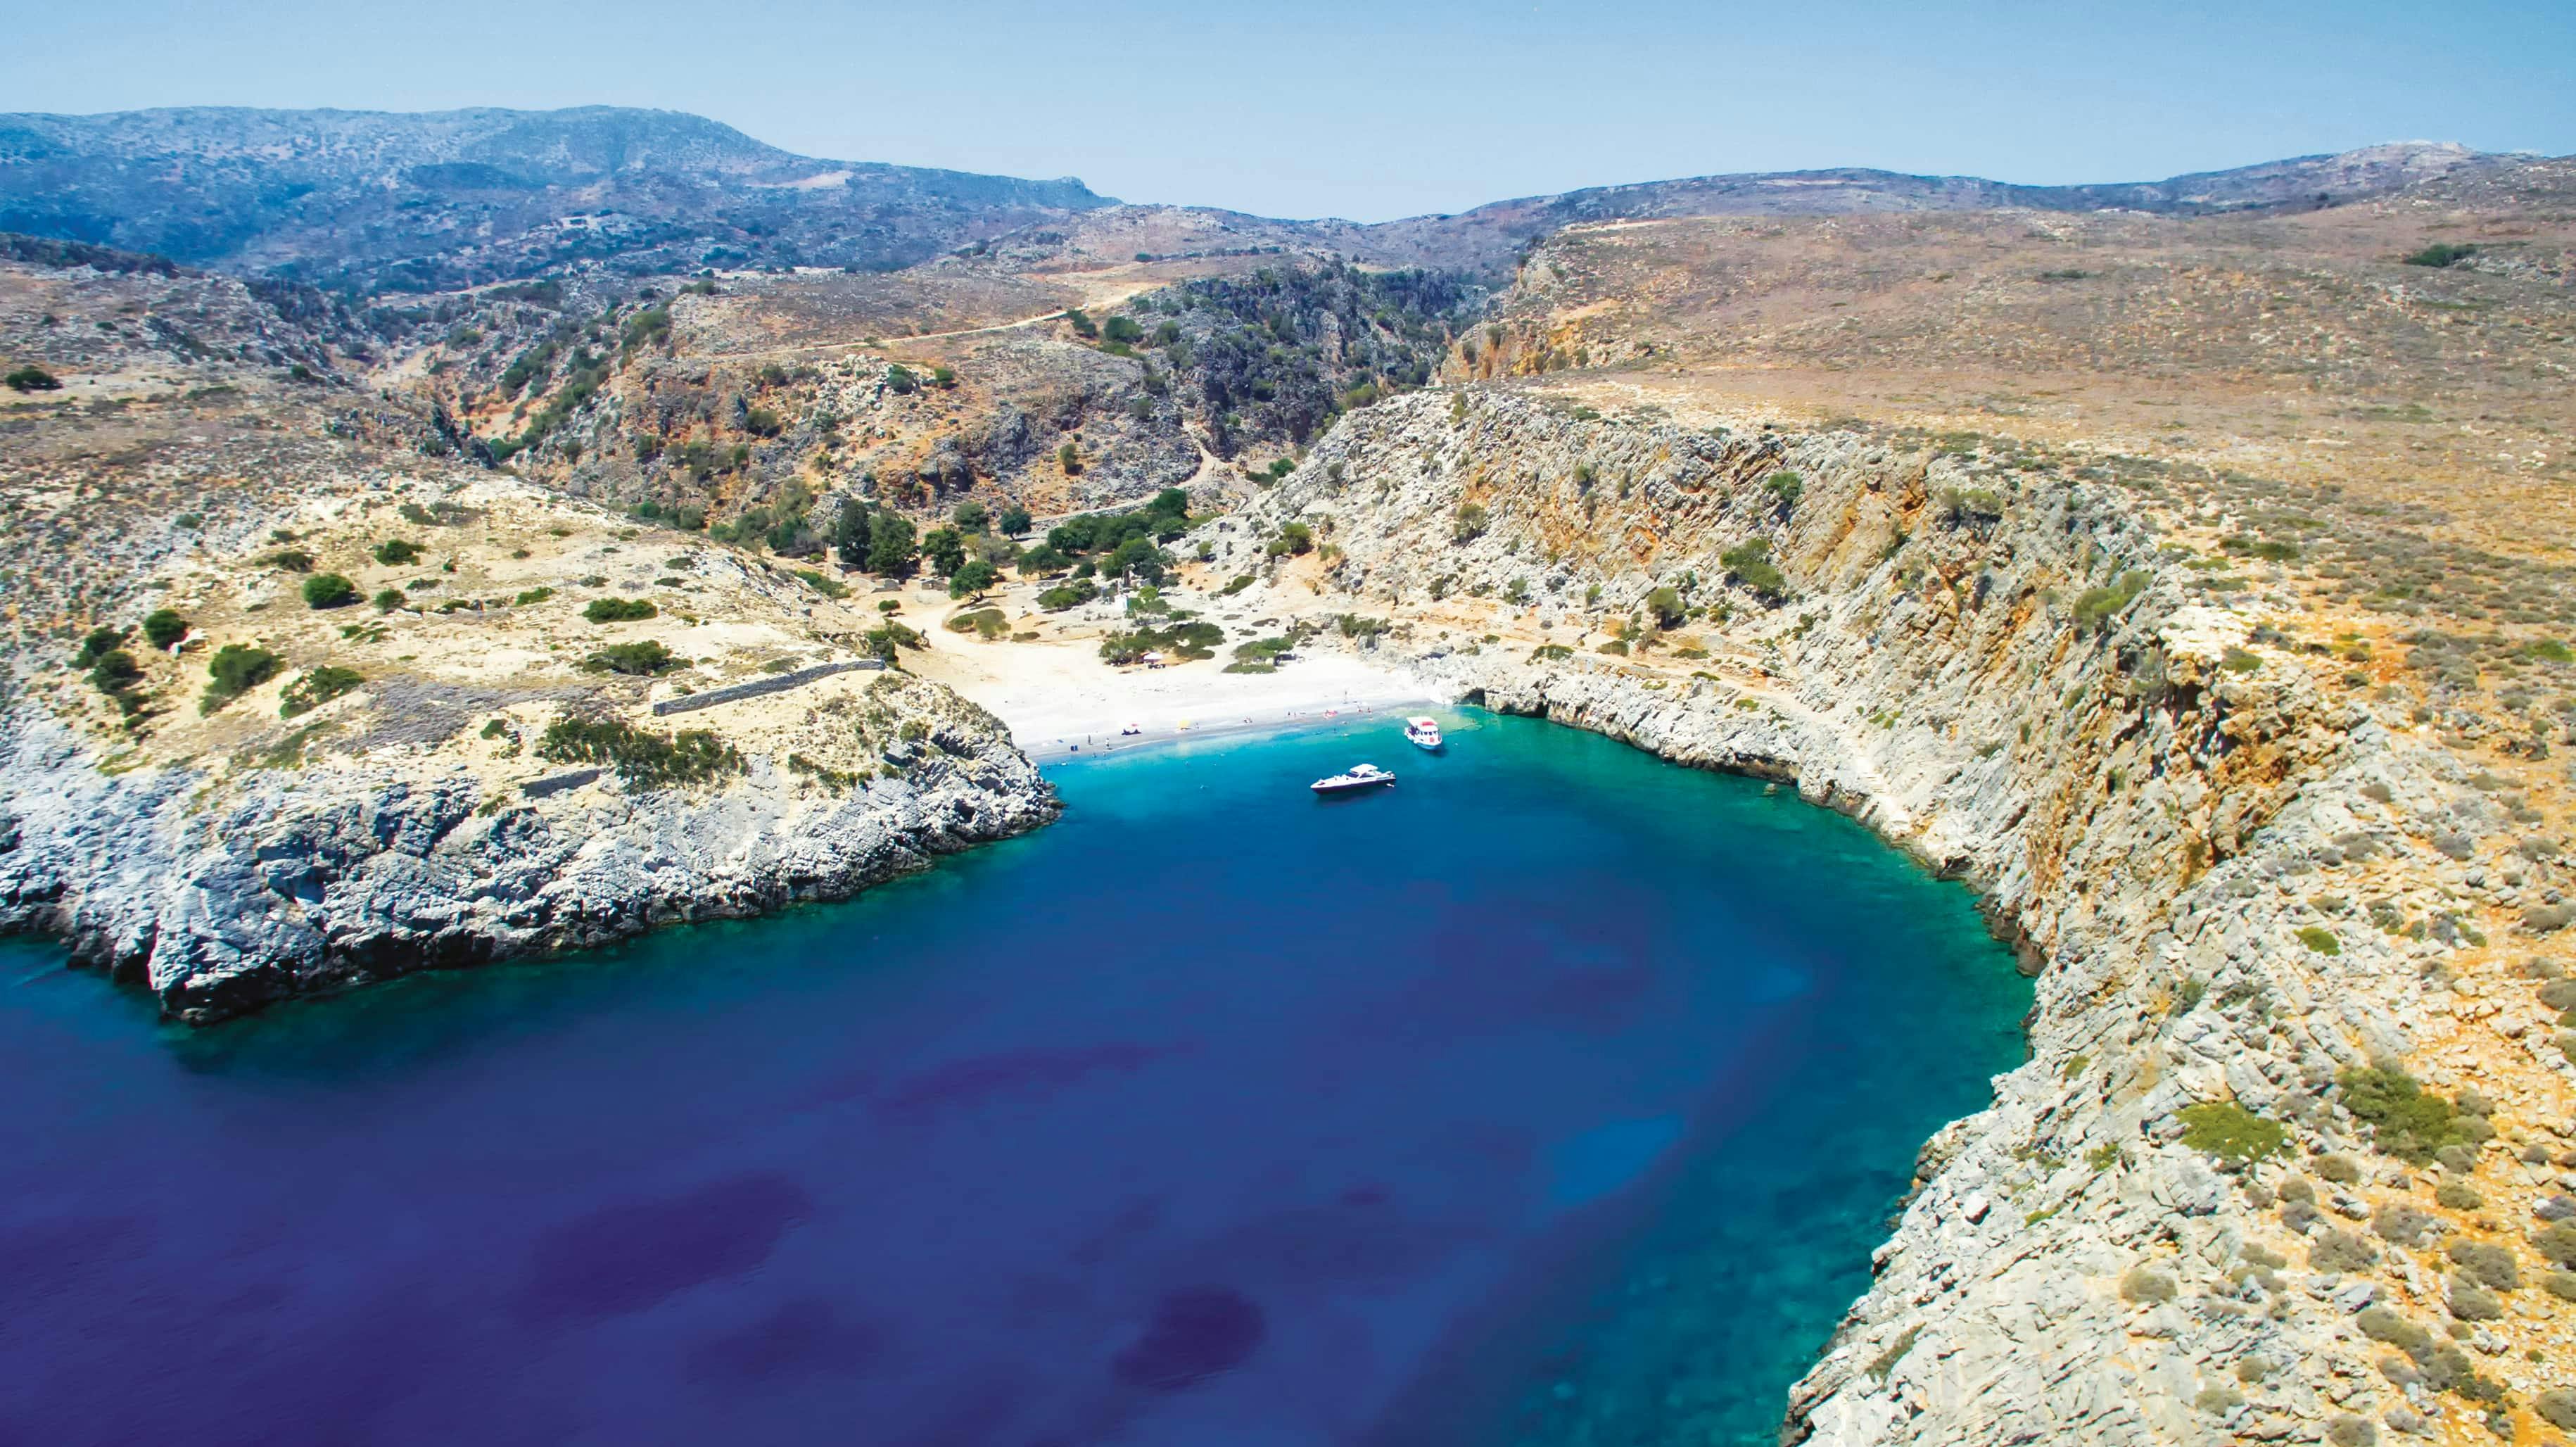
(1557, 1095)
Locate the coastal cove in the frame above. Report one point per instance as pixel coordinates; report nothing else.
(1557, 1095)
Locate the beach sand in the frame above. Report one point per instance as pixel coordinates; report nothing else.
(1060, 699)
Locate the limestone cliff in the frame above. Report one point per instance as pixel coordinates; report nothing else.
(2011, 670)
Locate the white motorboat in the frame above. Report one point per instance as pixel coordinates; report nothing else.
(1352, 780)
(1423, 733)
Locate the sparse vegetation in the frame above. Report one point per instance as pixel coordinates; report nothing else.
(316, 687)
(163, 628)
(2096, 607)
(2439, 255)
(640, 756)
(618, 610)
(2406, 1120)
(1068, 595)
(1749, 563)
(329, 590)
(2231, 1132)
(641, 659)
(236, 669)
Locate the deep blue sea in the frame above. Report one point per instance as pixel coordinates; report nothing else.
(1555, 1096)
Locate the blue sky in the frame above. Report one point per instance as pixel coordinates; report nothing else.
(1330, 107)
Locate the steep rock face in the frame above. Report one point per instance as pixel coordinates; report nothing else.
(354, 871)
(2008, 682)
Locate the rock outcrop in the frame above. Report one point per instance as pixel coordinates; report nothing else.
(2009, 672)
(223, 896)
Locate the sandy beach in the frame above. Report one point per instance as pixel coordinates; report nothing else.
(1060, 699)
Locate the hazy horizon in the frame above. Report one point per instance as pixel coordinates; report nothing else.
(1372, 113)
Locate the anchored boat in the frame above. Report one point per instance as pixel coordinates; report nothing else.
(1423, 733)
(1353, 780)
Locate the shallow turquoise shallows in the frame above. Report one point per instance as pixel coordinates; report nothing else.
(1554, 1095)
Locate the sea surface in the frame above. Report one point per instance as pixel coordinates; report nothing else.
(1555, 1096)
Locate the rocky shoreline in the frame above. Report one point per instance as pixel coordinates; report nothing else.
(222, 895)
(2176, 825)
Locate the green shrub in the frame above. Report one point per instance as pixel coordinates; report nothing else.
(329, 590)
(533, 595)
(395, 552)
(618, 610)
(2458, 1196)
(236, 669)
(640, 756)
(2096, 607)
(886, 638)
(317, 687)
(2239, 545)
(2239, 661)
(290, 560)
(2439, 254)
(32, 378)
(1235, 584)
(96, 642)
(2231, 1132)
(1264, 650)
(1469, 524)
(1180, 640)
(2406, 1121)
(114, 672)
(1068, 595)
(1749, 563)
(1550, 653)
(971, 578)
(1785, 488)
(644, 659)
(387, 599)
(1666, 604)
(163, 627)
(2320, 940)
(987, 623)
(829, 587)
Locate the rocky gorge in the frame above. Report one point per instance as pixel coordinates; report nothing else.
(2182, 1219)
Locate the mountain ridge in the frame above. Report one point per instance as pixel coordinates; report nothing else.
(391, 200)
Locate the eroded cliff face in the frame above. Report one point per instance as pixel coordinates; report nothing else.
(2010, 672)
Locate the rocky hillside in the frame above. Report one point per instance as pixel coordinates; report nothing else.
(294, 695)
(1491, 236)
(2284, 1164)
(432, 201)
